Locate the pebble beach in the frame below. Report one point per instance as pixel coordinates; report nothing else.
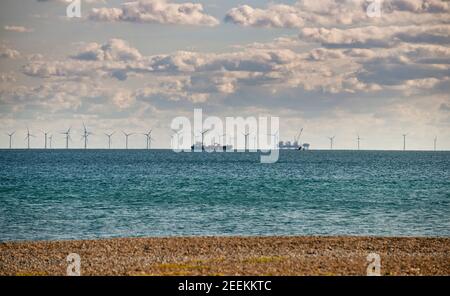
(307, 255)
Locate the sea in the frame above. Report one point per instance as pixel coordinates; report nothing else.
(91, 194)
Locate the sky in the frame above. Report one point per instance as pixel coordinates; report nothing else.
(329, 67)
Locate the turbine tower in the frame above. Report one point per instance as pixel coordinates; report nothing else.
(331, 142)
(246, 140)
(10, 138)
(27, 137)
(224, 139)
(203, 137)
(126, 138)
(359, 139)
(67, 134)
(435, 143)
(177, 133)
(50, 138)
(404, 141)
(45, 138)
(149, 139)
(274, 137)
(225, 143)
(109, 139)
(85, 135)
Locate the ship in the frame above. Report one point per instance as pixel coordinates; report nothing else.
(211, 148)
(296, 145)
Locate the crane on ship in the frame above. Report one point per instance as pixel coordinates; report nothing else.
(297, 139)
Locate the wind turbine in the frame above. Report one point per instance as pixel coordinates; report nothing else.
(359, 139)
(150, 142)
(203, 137)
(177, 133)
(331, 142)
(274, 138)
(404, 141)
(27, 137)
(435, 142)
(109, 139)
(67, 134)
(10, 138)
(126, 138)
(149, 139)
(224, 139)
(45, 136)
(246, 139)
(50, 138)
(85, 135)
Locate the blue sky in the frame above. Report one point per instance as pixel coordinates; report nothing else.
(322, 65)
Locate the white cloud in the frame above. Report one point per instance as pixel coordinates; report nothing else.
(112, 59)
(419, 6)
(8, 53)
(276, 16)
(47, 69)
(18, 29)
(331, 13)
(170, 89)
(375, 36)
(155, 11)
(114, 50)
(7, 77)
(195, 76)
(57, 98)
(123, 99)
(69, 1)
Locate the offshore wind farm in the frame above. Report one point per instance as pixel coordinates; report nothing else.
(295, 144)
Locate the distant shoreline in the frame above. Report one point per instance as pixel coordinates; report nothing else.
(230, 255)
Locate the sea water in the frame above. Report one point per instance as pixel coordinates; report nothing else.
(85, 194)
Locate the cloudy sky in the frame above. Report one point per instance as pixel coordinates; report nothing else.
(319, 64)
